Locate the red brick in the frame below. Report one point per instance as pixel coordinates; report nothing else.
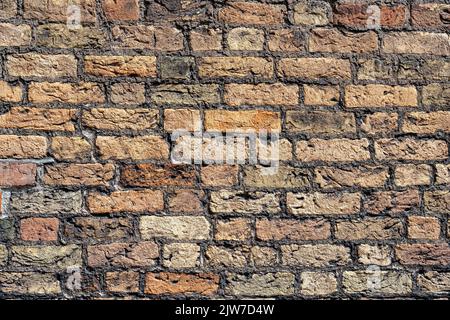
(430, 15)
(426, 254)
(145, 175)
(357, 15)
(17, 174)
(39, 229)
(121, 10)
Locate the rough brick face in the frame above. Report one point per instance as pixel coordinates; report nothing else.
(410, 175)
(312, 13)
(113, 119)
(317, 122)
(244, 202)
(251, 13)
(265, 285)
(380, 123)
(48, 92)
(159, 38)
(223, 120)
(180, 228)
(41, 65)
(423, 227)
(320, 255)
(144, 175)
(46, 201)
(357, 15)
(121, 254)
(180, 94)
(335, 150)
(390, 282)
(321, 95)
(71, 149)
(374, 254)
(22, 147)
(423, 254)
(417, 42)
(333, 40)
(237, 229)
(56, 10)
(121, 10)
(126, 281)
(126, 201)
(314, 68)
(318, 283)
(9, 9)
(10, 93)
(139, 148)
(430, 15)
(434, 282)
(17, 174)
(51, 257)
(262, 94)
(411, 149)
(369, 228)
(173, 283)
(14, 35)
(237, 67)
(203, 39)
(347, 177)
(285, 40)
(30, 283)
(380, 96)
(421, 122)
(323, 203)
(133, 147)
(392, 202)
(115, 66)
(79, 174)
(128, 93)
(39, 119)
(246, 39)
(95, 230)
(39, 229)
(61, 36)
(277, 230)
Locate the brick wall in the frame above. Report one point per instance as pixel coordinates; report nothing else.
(93, 206)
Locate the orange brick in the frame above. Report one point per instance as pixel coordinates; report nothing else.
(173, 283)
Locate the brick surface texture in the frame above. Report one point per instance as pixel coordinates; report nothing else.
(93, 204)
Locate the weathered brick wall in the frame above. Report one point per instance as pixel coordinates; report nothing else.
(92, 205)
